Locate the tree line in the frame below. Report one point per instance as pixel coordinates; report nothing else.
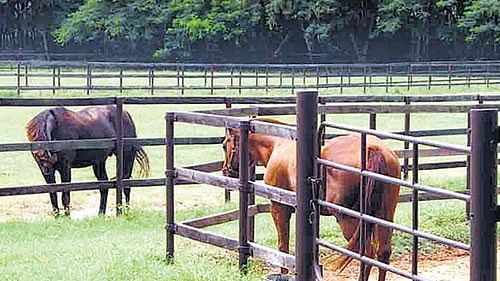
(256, 30)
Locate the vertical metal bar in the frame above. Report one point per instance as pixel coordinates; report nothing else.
(341, 81)
(307, 115)
(430, 77)
(267, 79)
(468, 165)
(449, 76)
(468, 76)
(232, 77)
(244, 248)
(170, 184)
(293, 80)
(407, 132)
(349, 76)
(484, 134)
(58, 78)
(251, 201)
(152, 77)
(304, 77)
(390, 78)
(239, 82)
(362, 204)
(53, 81)
(281, 78)
(205, 75)
(414, 259)
(119, 154)
(89, 78)
(212, 80)
(409, 75)
(387, 80)
(370, 77)
(373, 121)
(317, 78)
(121, 80)
(256, 78)
(177, 76)
(327, 72)
(364, 79)
(26, 75)
(182, 80)
(18, 74)
(487, 78)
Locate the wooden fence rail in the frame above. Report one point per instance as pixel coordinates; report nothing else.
(101, 76)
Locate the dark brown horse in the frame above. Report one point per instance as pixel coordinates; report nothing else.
(278, 155)
(96, 122)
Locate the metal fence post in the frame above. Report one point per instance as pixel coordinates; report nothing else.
(244, 247)
(307, 118)
(119, 154)
(169, 184)
(483, 179)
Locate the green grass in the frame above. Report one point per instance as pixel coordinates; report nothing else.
(132, 247)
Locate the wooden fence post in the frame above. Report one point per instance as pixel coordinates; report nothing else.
(170, 184)
(119, 154)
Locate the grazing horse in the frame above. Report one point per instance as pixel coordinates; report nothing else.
(95, 122)
(278, 155)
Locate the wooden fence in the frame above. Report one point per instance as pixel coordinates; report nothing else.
(307, 200)
(396, 104)
(21, 76)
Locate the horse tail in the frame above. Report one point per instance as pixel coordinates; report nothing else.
(143, 161)
(373, 191)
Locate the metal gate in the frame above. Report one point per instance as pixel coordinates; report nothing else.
(482, 198)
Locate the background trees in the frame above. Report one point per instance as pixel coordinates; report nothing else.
(255, 30)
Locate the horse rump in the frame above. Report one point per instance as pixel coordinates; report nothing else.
(373, 191)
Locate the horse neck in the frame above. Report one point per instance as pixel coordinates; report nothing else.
(261, 147)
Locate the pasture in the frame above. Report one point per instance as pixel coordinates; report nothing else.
(34, 245)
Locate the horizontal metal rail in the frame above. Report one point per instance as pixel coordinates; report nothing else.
(275, 194)
(207, 178)
(207, 119)
(382, 222)
(278, 130)
(392, 180)
(368, 260)
(387, 135)
(6, 101)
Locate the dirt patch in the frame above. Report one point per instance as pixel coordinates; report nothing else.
(441, 265)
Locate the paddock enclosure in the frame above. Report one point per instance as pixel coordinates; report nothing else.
(371, 106)
(22, 77)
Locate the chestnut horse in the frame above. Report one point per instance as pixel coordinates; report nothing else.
(94, 122)
(279, 157)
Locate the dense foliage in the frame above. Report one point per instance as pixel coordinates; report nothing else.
(257, 30)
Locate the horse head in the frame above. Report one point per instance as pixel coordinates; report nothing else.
(231, 147)
(41, 128)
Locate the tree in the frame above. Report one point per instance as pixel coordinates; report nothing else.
(481, 22)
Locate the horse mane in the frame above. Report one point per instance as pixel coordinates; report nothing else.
(270, 120)
(38, 128)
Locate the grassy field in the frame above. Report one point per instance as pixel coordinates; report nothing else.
(35, 246)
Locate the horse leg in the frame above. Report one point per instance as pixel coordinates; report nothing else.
(128, 165)
(100, 174)
(66, 177)
(281, 215)
(53, 195)
(384, 251)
